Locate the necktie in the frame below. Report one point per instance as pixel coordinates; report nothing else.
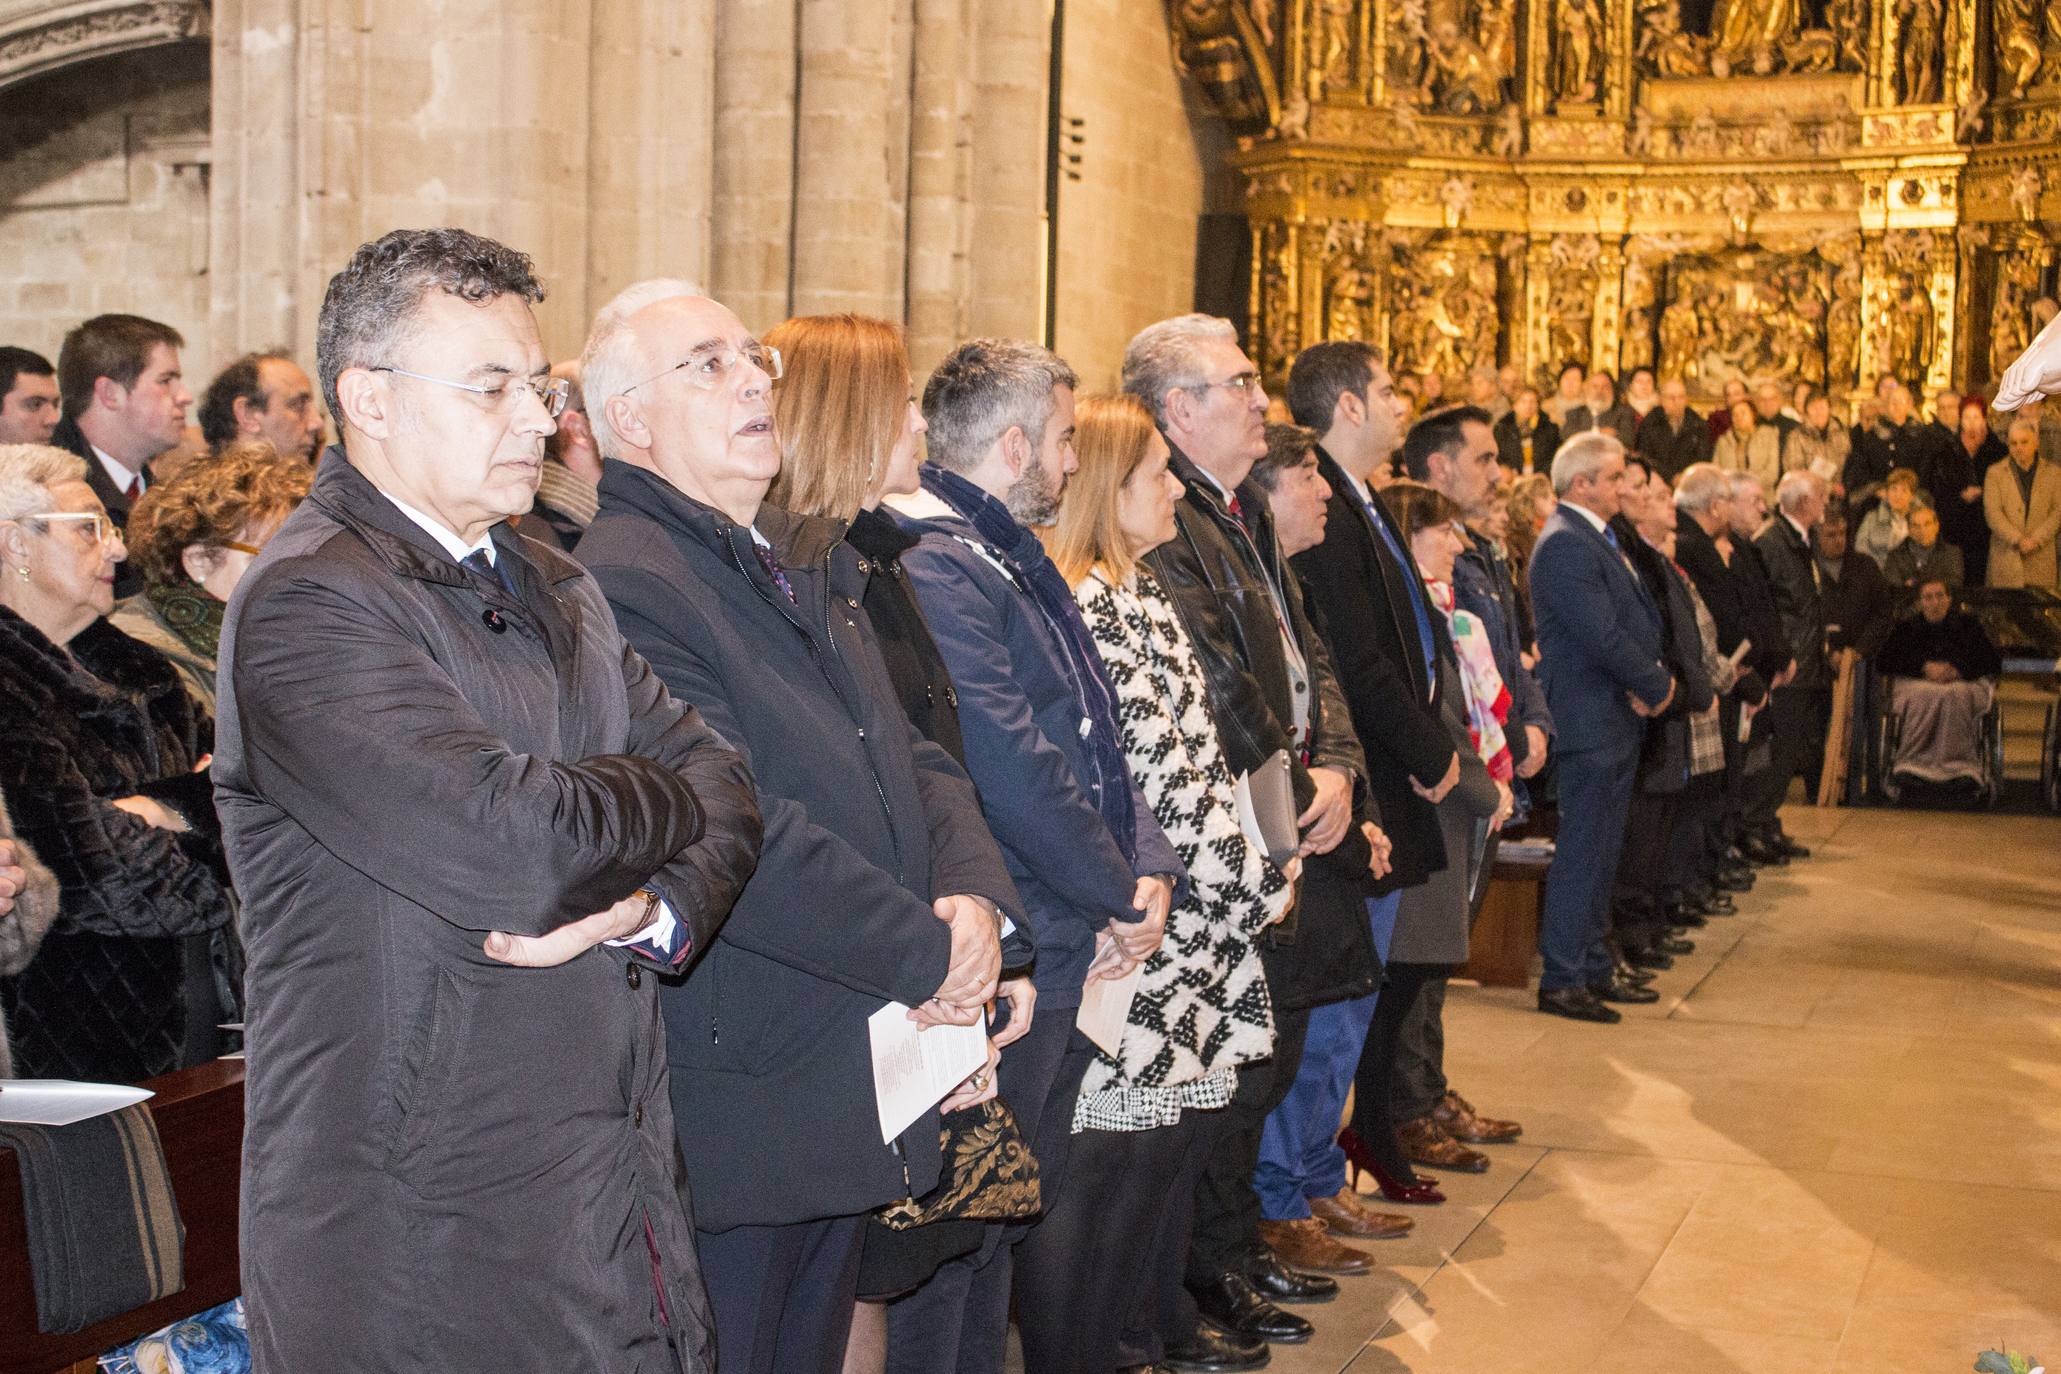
(1237, 510)
(1610, 537)
(773, 570)
(478, 562)
(134, 489)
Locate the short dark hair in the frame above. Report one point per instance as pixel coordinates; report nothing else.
(1442, 431)
(1324, 372)
(1572, 366)
(370, 305)
(238, 381)
(116, 347)
(1633, 460)
(16, 363)
(1288, 446)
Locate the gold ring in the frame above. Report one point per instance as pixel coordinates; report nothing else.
(980, 1082)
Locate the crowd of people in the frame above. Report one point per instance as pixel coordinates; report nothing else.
(562, 775)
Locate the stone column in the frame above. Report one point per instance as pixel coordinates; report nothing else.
(256, 238)
(852, 164)
(1007, 193)
(753, 200)
(937, 268)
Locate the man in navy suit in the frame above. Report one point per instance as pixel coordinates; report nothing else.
(1600, 650)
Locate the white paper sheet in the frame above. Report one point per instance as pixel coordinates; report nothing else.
(60, 1102)
(914, 1068)
(1106, 1009)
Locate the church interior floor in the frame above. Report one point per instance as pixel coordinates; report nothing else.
(1834, 1144)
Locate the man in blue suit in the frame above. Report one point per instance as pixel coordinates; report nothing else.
(1600, 655)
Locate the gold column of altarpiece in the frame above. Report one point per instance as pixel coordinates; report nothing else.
(1824, 190)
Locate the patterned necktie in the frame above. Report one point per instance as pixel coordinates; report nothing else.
(773, 570)
(478, 562)
(133, 490)
(1237, 510)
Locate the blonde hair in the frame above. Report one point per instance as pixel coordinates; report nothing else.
(1111, 437)
(222, 496)
(839, 408)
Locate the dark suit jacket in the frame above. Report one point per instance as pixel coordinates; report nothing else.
(1792, 573)
(1670, 451)
(1600, 636)
(1363, 596)
(1619, 419)
(1545, 442)
(67, 435)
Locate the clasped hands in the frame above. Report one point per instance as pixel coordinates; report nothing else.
(13, 877)
(1641, 708)
(1124, 945)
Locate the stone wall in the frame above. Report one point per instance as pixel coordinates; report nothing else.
(103, 198)
(883, 156)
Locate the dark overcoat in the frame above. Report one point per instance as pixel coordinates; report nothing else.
(449, 1162)
(867, 823)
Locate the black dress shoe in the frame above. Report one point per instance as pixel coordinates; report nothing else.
(1735, 879)
(1632, 973)
(1213, 1352)
(1716, 904)
(1577, 1004)
(1617, 990)
(1686, 919)
(1791, 847)
(1236, 1306)
(1276, 1282)
(1760, 851)
(1649, 958)
(1669, 944)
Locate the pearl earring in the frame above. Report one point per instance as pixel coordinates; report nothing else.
(24, 570)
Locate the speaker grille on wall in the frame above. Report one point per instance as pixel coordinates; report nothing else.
(1223, 268)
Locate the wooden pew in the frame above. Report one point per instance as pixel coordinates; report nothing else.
(1506, 935)
(199, 1114)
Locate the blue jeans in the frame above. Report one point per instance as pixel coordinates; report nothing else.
(1595, 803)
(1299, 1154)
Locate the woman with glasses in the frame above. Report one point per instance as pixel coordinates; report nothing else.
(104, 771)
(193, 536)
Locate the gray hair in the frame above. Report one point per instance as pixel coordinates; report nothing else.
(1700, 486)
(1161, 358)
(614, 360)
(983, 388)
(1743, 482)
(28, 472)
(1798, 487)
(1582, 456)
(369, 308)
(2024, 422)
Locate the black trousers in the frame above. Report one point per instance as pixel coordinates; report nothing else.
(1420, 1053)
(1693, 846)
(1374, 1084)
(782, 1295)
(1793, 740)
(1227, 1209)
(1642, 868)
(1094, 1274)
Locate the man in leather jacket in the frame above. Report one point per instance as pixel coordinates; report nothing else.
(1271, 688)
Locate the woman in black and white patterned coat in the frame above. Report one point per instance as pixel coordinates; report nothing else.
(1201, 1007)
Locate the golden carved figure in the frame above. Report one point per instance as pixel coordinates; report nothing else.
(1331, 46)
(2019, 49)
(1918, 28)
(1753, 31)
(1458, 78)
(1577, 49)
(1210, 45)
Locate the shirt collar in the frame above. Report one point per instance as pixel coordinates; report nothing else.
(116, 473)
(1585, 513)
(446, 540)
(1801, 532)
(1211, 478)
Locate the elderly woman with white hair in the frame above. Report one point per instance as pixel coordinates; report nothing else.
(102, 771)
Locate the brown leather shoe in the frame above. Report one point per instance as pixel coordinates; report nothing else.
(1425, 1142)
(1457, 1118)
(1348, 1214)
(1305, 1244)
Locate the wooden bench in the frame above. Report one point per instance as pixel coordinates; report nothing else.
(199, 1115)
(1506, 934)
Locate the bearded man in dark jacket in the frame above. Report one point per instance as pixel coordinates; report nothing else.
(878, 884)
(470, 826)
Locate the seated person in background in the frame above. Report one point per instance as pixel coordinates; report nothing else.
(1526, 440)
(193, 536)
(1859, 602)
(138, 968)
(1922, 556)
(568, 484)
(1889, 523)
(1942, 668)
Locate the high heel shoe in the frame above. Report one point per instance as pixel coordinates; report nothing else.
(1360, 1159)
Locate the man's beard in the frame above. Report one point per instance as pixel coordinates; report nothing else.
(1032, 499)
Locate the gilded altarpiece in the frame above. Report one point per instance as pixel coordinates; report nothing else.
(1825, 190)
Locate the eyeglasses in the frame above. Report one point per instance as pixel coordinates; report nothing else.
(550, 392)
(711, 366)
(239, 546)
(98, 525)
(1244, 381)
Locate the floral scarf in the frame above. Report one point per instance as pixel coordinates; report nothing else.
(1488, 699)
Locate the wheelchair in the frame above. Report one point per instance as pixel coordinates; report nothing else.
(1990, 747)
